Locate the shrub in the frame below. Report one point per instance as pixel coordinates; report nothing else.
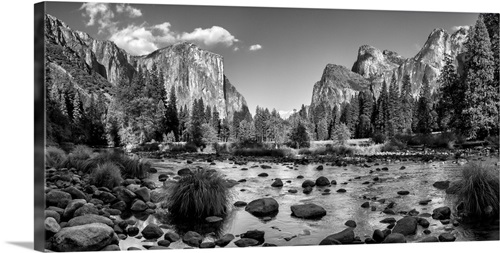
(130, 168)
(328, 150)
(478, 190)
(134, 168)
(81, 152)
(379, 138)
(199, 195)
(298, 137)
(493, 140)
(393, 146)
(54, 157)
(220, 149)
(106, 175)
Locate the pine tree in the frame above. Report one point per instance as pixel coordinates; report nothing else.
(299, 138)
(406, 107)
(172, 116)
(394, 109)
(197, 118)
(448, 95)
(381, 117)
(208, 115)
(322, 130)
(480, 110)
(424, 111)
(77, 108)
(353, 118)
(491, 21)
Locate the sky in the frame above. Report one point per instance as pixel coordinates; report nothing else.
(273, 56)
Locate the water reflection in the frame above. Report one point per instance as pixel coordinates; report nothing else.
(284, 229)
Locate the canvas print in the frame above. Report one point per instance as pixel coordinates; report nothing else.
(176, 127)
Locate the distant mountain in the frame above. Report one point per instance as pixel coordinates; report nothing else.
(100, 65)
(373, 66)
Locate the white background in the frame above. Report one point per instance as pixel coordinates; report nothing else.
(16, 105)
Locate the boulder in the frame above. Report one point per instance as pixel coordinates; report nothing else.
(319, 167)
(441, 213)
(224, 240)
(406, 226)
(446, 237)
(395, 238)
(86, 209)
(308, 183)
(184, 172)
(257, 235)
(263, 174)
(164, 243)
(192, 238)
(143, 193)
(120, 205)
(72, 206)
(138, 206)
(51, 225)
(162, 177)
(350, 223)
(442, 185)
(107, 197)
(277, 183)
(57, 198)
(308, 211)
(365, 204)
(423, 222)
(307, 190)
(132, 231)
(111, 247)
(322, 181)
(388, 220)
(172, 236)
(89, 219)
(265, 166)
(346, 236)
(240, 203)
(378, 236)
(75, 193)
(88, 237)
(246, 242)
(263, 207)
(152, 231)
(207, 245)
(403, 193)
(341, 190)
(430, 239)
(53, 214)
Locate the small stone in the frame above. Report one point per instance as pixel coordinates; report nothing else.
(350, 223)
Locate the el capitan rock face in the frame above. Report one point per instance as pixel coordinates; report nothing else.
(195, 73)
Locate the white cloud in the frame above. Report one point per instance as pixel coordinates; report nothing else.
(127, 9)
(99, 13)
(135, 40)
(285, 114)
(210, 36)
(255, 47)
(236, 49)
(458, 27)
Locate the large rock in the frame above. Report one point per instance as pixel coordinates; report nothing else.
(308, 211)
(406, 226)
(224, 240)
(254, 234)
(246, 242)
(152, 231)
(322, 181)
(72, 206)
(75, 193)
(446, 237)
(308, 183)
(277, 183)
(395, 238)
(138, 206)
(86, 209)
(441, 213)
(442, 185)
(346, 236)
(192, 238)
(263, 207)
(57, 198)
(51, 225)
(143, 193)
(89, 219)
(89, 237)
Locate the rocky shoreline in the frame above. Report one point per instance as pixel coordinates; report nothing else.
(82, 217)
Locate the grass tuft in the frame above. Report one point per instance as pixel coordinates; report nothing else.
(478, 190)
(262, 152)
(328, 150)
(54, 157)
(81, 152)
(199, 195)
(106, 175)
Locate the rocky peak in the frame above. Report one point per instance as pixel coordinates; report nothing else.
(337, 85)
(195, 73)
(372, 62)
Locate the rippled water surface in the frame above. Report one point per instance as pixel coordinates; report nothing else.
(417, 178)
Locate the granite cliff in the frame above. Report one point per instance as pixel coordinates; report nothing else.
(195, 73)
(374, 66)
